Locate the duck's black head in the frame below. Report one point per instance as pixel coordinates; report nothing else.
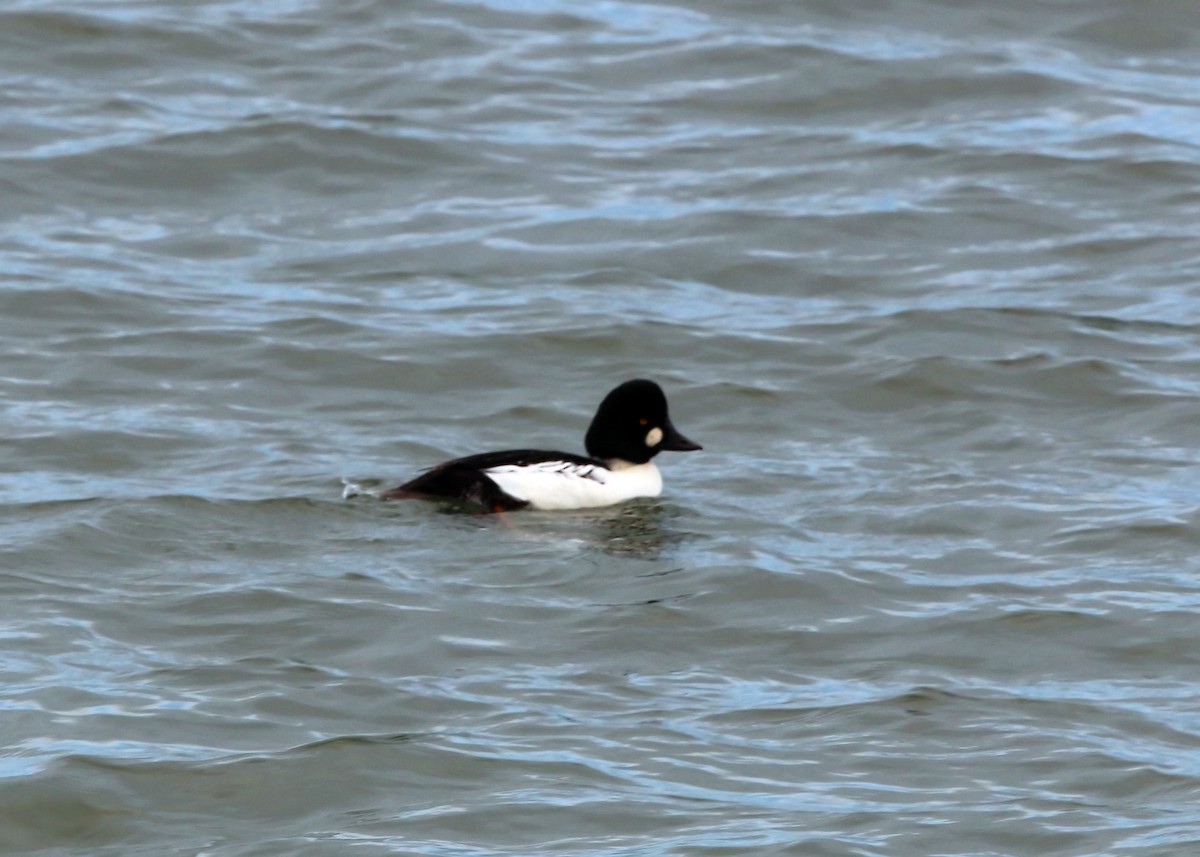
(632, 425)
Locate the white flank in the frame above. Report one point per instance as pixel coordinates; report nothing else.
(563, 485)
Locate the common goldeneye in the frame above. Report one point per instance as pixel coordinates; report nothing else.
(631, 426)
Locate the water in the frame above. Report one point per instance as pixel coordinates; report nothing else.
(921, 277)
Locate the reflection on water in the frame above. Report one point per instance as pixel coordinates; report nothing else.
(643, 529)
(639, 529)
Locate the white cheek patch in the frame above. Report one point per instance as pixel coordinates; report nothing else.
(653, 437)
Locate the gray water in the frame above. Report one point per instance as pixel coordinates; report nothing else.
(923, 278)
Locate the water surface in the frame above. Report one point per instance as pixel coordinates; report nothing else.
(920, 276)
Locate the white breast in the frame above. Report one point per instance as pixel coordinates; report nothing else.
(565, 485)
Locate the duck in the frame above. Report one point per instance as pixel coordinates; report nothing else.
(631, 426)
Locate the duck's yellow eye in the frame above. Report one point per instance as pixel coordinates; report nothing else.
(643, 421)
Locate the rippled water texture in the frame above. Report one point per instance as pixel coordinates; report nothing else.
(921, 277)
